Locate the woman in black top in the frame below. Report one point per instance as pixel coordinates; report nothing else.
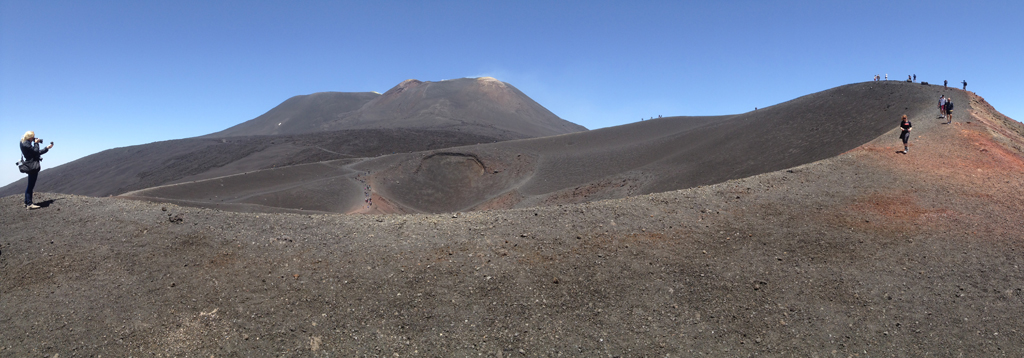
(30, 149)
(905, 135)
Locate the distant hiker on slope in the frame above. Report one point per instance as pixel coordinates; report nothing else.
(965, 85)
(945, 84)
(942, 106)
(905, 135)
(949, 110)
(33, 155)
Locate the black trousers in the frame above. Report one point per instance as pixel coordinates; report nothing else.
(32, 176)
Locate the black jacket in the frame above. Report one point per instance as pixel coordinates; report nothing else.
(32, 152)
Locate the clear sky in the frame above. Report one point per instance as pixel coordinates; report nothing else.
(95, 75)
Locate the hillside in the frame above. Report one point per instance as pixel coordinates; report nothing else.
(639, 158)
(864, 253)
(300, 114)
(119, 170)
(316, 128)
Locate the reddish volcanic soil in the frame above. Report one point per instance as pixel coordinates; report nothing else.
(867, 253)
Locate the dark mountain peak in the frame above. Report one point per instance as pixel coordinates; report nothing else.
(478, 105)
(482, 106)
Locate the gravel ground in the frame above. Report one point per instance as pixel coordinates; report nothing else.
(869, 253)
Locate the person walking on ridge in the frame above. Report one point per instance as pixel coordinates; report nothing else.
(33, 155)
(942, 106)
(949, 110)
(905, 135)
(965, 85)
(945, 84)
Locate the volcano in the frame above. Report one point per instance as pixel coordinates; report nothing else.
(841, 244)
(803, 229)
(319, 127)
(482, 106)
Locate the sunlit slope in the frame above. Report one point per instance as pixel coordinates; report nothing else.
(638, 158)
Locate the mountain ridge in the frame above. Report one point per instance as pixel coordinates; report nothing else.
(638, 158)
(307, 127)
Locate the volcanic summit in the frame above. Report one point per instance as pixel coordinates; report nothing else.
(482, 106)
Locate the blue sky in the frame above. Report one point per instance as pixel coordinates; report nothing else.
(94, 75)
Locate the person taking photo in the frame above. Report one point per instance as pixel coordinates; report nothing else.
(33, 155)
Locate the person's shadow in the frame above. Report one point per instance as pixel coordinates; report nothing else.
(47, 203)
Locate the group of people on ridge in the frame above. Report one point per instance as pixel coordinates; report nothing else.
(913, 78)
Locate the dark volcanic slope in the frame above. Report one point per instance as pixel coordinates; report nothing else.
(865, 254)
(119, 170)
(413, 116)
(639, 158)
(300, 114)
(483, 106)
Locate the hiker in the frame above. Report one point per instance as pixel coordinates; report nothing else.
(942, 106)
(945, 84)
(965, 85)
(905, 135)
(886, 76)
(915, 77)
(33, 155)
(909, 79)
(949, 110)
